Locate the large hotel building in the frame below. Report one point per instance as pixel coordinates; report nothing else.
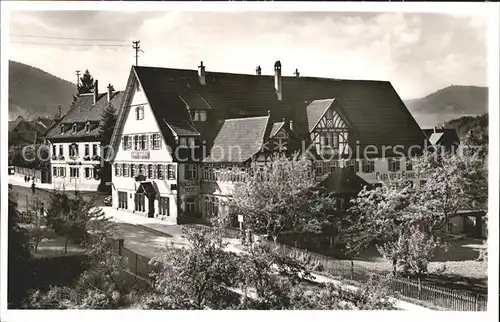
(179, 131)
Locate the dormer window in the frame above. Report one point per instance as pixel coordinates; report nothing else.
(74, 128)
(200, 116)
(139, 113)
(87, 127)
(62, 128)
(182, 141)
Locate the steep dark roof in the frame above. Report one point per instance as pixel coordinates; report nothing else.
(373, 108)
(343, 181)
(239, 139)
(182, 128)
(84, 111)
(194, 101)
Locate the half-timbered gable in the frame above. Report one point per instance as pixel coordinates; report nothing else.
(328, 131)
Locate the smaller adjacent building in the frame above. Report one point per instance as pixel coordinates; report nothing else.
(447, 138)
(26, 132)
(74, 141)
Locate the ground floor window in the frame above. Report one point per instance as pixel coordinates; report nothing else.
(164, 206)
(88, 173)
(190, 205)
(122, 200)
(54, 171)
(368, 166)
(353, 165)
(140, 202)
(74, 172)
(211, 206)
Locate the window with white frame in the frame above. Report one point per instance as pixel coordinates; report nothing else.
(409, 164)
(353, 165)
(394, 164)
(74, 172)
(88, 173)
(156, 142)
(191, 172)
(190, 141)
(171, 172)
(200, 116)
(94, 149)
(144, 142)
(133, 170)
(62, 128)
(54, 149)
(126, 170)
(87, 150)
(139, 113)
(142, 170)
(137, 142)
(61, 150)
(74, 128)
(73, 150)
(118, 168)
(319, 168)
(160, 169)
(127, 144)
(150, 171)
(182, 141)
(190, 208)
(164, 206)
(367, 166)
(54, 171)
(87, 127)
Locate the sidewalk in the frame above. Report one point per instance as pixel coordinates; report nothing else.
(18, 180)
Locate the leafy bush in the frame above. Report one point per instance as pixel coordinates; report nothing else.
(412, 251)
(56, 298)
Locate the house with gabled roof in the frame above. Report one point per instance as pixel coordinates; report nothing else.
(179, 131)
(74, 141)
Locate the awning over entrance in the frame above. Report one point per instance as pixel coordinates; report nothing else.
(148, 188)
(343, 181)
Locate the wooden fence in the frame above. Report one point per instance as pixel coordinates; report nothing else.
(443, 297)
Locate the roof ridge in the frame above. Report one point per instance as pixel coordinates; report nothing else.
(208, 72)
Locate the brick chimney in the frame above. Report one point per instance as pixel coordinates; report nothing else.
(201, 73)
(110, 92)
(96, 92)
(258, 70)
(277, 80)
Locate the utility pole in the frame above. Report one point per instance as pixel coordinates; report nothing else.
(77, 80)
(136, 46)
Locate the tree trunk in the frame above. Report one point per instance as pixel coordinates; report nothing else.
(394, 265)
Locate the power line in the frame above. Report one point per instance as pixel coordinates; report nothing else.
(66, 38)
(66, 44)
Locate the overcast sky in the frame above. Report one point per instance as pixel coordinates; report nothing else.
(418, 53)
